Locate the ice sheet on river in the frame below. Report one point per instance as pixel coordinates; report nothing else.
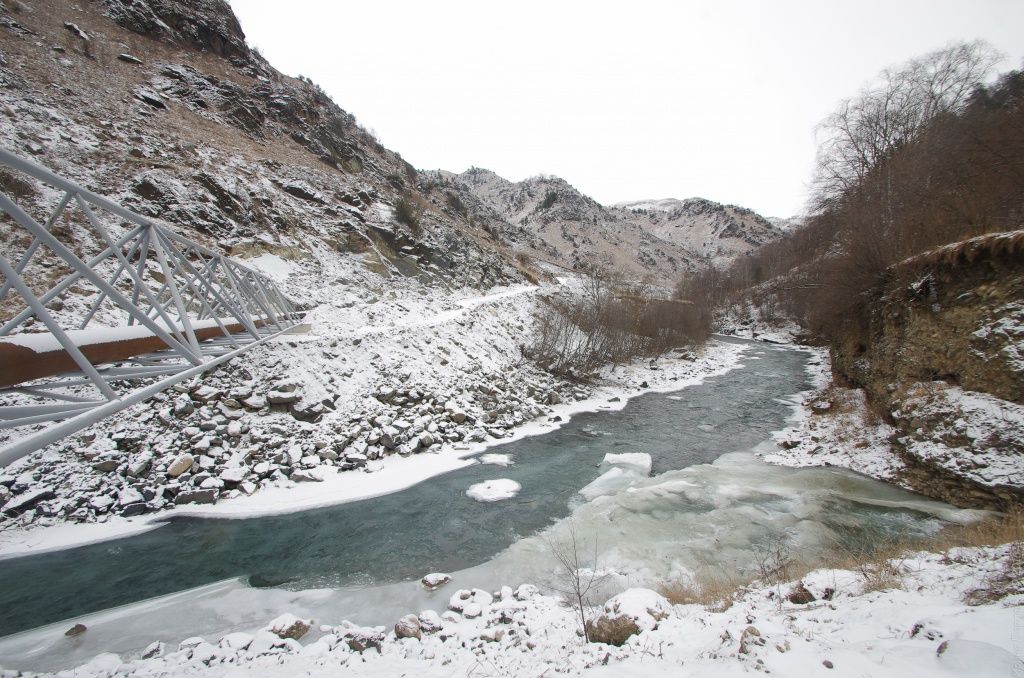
(623, 470)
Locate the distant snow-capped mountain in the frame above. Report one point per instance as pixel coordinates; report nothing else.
(656, 237)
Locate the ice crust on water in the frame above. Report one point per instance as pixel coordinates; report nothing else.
(496, 459)
(610, 482)
(640, 462)
(494, 490)
(625, 469)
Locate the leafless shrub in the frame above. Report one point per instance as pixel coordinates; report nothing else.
(576, 581)
(608, 323)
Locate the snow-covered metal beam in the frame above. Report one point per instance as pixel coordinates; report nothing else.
(165, 308)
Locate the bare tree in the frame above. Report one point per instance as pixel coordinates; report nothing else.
(865, 130)
(575, 581)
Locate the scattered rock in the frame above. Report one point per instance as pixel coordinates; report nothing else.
(181, 464)
(409, 627)
(76, 630)
(435, 580)
(26, 500)
(800, 595)
(289, 626)
(207, 496)
(310, 475)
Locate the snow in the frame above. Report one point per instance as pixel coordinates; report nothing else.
(847, 436)
(494, 490)
(610, 482)
(974, 435)
(920, 627)
(496, 459)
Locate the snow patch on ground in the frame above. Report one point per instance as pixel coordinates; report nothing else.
(974, 435)
(833, 426)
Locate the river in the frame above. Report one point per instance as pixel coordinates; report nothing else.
(709, 503)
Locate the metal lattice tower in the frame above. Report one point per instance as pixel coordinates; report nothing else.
(102, 308)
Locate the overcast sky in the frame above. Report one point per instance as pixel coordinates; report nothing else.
(625, 100)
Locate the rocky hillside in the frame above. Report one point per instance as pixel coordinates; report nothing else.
(945, 355)
(656, 238)
(709, 229)
(164, 107)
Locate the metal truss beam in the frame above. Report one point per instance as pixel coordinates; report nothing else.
(136, 308)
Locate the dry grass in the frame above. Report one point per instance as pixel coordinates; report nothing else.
(881, 564)
(714, 592)
(994, 531)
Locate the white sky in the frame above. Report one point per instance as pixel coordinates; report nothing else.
(625, 100)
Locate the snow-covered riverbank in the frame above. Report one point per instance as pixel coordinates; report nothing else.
(922, 627)
(493, 319)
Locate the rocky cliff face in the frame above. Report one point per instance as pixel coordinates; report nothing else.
(161, 105)
(945, 355)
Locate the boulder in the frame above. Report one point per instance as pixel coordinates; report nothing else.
(154, 649)
(308, 475)
(408, 627)
(289, 626)
(463, 598)
(27, 499)
(430, 621)
(799, 595)
(181, 464)
(183, 406)
(207, 496)
(435, 580)
(627, 614)
(236, 641)
(129, 495)
(234, 475)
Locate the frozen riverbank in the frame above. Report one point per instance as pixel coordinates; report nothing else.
(393, 473)
(923, 626)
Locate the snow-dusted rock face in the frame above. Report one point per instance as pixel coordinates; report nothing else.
(709, 229)
(194, 128)
(664, 236)
(945, 356)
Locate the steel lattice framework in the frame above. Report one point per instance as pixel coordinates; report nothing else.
(102, 308)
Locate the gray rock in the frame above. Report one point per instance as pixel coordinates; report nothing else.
(106, 465)
(435, 580)
(183, 406)
(180, 465)
(234, 475)
(129, 495)
(196, 497)
(314, 475)
(27, 499)
(282, 397)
